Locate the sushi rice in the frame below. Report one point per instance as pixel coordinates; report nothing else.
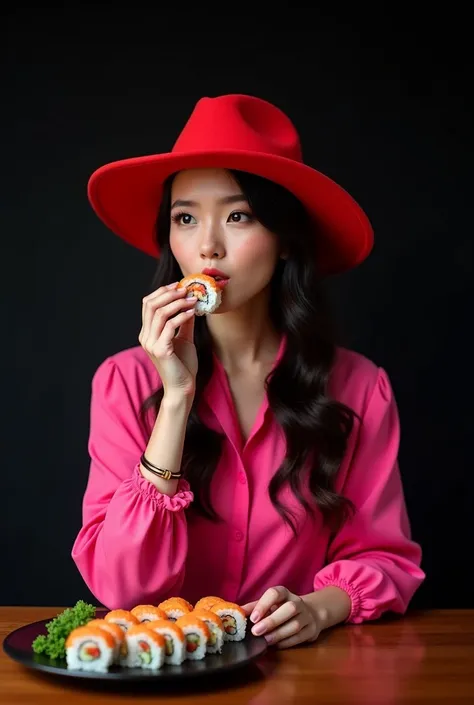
(233, 618)
(90, 649)
(175, 641)
(216, 629)
(150, 636)
(116, 631)
(204, 287)
(145, 648)
(197, 635)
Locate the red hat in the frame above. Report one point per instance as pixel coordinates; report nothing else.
(233, 132)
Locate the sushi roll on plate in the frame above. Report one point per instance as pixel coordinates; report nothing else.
(207, 291)
(181, 601)
(233, 618)
(197, 635)
(216, 629)
(123, 618)
(145, 648)
(90, 649)
(175, 641)
(148, 613)
(116, 631)
(207, 603)
(174, 608)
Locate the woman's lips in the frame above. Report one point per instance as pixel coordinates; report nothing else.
(222, 283)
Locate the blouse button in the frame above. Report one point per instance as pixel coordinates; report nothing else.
(238, 536)
(242, 478)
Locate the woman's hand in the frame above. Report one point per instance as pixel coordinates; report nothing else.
(175, 358)
(284, 619)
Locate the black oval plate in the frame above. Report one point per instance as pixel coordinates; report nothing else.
(234, 654)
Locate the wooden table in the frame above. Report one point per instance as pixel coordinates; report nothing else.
(426, 657)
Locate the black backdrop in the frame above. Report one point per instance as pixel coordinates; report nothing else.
(381, 106)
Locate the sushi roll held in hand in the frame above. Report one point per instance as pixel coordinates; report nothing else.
(207, 289)
(90, 649)
(233, 618)
(145, 648)
(197, 635)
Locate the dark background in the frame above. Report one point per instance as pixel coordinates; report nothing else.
(380, 102)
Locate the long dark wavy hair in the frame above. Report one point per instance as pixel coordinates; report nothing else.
(316, 427)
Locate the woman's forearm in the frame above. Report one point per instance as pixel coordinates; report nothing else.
(165, 446)
(330, 605)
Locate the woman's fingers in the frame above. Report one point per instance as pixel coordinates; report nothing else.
(157, 298)
(154, 302)
(163, 316)
(163, 346)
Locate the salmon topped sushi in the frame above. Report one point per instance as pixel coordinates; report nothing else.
(175, 641)
(207, 291)
(114, 629)
(148, 613)
(90, 648)
(197, 635)
(216, 629)
(145, 648)
(233, 618)
(208, 602)
(123, 618)
(181, 600)
(175, 607)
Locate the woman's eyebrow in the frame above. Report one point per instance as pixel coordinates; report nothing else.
(235, 198)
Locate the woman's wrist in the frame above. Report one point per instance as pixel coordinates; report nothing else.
(331, 605)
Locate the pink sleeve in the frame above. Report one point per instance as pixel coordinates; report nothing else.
(373, 557)
(132, 545)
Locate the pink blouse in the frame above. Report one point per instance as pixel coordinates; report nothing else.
(137, 545)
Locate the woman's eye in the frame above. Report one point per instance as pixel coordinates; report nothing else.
(183, 218)
(238, 216)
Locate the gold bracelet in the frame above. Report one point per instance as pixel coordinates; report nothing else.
(160, 472)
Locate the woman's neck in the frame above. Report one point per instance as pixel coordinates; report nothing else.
(245, 338)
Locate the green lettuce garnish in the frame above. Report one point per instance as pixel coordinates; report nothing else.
(53, 644)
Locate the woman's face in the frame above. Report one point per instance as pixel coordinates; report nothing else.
(212, 227)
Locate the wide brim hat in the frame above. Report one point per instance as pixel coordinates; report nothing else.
(233, 132)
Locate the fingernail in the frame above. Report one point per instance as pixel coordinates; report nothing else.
(191, 298)
(258, 629)
(254, 617)
(172, 286)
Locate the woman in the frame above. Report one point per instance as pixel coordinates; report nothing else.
(243, 453)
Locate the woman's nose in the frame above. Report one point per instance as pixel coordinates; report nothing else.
(211, 247)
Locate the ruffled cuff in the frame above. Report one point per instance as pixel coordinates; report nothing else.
(353, 592)
(179, 501)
